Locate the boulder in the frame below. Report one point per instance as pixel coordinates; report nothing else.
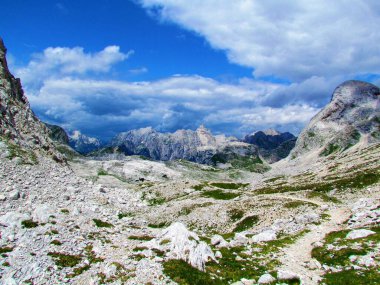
(361, 233)
(287, 275)
(267, 235)
(266, 279)
(180, 243)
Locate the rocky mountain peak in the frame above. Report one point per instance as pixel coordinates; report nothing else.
(271, 132)
(353, 115)
(18, 124)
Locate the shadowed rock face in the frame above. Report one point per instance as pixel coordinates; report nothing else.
(273, 145)
(18, 124)
(352, 115)
(58, 134)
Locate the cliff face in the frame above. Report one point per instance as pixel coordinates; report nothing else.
(18, 124)
(353, 115)
(273, 145)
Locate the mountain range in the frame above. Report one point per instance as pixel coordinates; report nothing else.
(310, 218)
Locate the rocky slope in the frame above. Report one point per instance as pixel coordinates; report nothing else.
(58, 134)
(352, 116)
(273, 145)
(20, 129)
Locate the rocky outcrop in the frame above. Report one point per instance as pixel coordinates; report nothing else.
(273, 145)
(58, 134)
(198, 146)
(353, 115)
(19, 126)
(82, 143)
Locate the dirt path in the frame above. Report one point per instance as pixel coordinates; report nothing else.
(295, 257)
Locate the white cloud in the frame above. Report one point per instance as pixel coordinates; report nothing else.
(58, 61)
(294, 39)
(167, 104)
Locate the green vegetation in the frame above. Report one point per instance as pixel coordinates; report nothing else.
(29, 224)
(65, 211)
(5, 249)
(102, 224)
(358, 180)
(65, 260)
(156, 201)
(55, 242)
(78, 271)
(295, 204)
(323, 196)
(184, 274)
(246, 223)
(124, 215)
(353, 277)
(336, 252)
(28, 157)
(227, 185)
(236, 214)
(144, 238)
(331, 148)
(91, 256)
(103, 172)
(219, 195)
(158, 226)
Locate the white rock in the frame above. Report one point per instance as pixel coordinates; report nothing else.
(247, 281)
(286, 275)
(240, 239)
(42, 213)
(266, 279)
(218, 241)
(359, 234)
(13, 219)
(366, 261)
(180, 243)
(218, 254)
(2, 198)
(14, 195)
(267, 235)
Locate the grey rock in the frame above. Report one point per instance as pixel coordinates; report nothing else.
(361, 233)
(352, 113)
(287, 275)
(14, 195)
(266, 279)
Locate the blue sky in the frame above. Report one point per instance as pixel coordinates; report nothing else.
(236, 66)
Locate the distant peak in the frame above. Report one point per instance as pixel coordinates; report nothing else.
(271, 132)
(203, 129)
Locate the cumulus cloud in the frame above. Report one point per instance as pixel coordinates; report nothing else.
(68, 94)
(289, 39)
(59, 61)
(104, 108)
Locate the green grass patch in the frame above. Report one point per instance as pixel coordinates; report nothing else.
(56, 242)
(219, 195)
(65, 211)
(124, 215)
(235, 214)
(353, 277)
(228, 185)
(158, 226)
(65, 260)
(184, 274)
(246, 223)
(102, 224)
(331, 148)
(323, 196)
(5, 249)
(356, 180)
(29, 224)
(143, 238)
(295, 204)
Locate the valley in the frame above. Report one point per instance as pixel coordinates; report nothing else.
(152, 209)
